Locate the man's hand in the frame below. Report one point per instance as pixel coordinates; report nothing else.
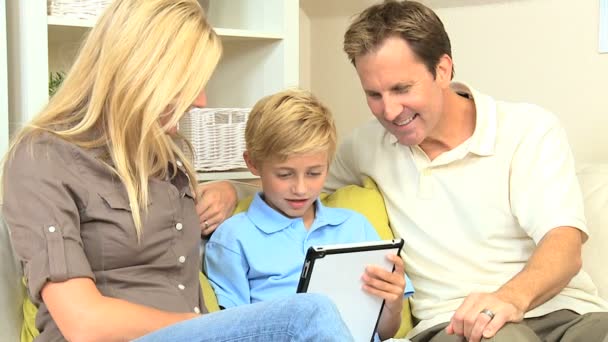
(215, 203)
(554, 262)
(482, 315)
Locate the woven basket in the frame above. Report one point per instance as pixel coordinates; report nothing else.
(217, 136)
(80, 9)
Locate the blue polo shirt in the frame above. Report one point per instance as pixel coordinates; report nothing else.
(258, 255)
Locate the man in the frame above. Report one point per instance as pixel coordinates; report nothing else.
(484, 192)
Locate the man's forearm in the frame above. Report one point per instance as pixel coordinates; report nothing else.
(555, 261)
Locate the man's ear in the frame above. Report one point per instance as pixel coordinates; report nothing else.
(443, 70)
(250, 164)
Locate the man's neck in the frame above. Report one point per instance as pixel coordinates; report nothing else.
(457, 124)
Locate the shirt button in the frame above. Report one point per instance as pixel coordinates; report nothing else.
(182, 259)
(181, 286)
(179, 226)
(427, 172)
(197, 310)
(52, 229)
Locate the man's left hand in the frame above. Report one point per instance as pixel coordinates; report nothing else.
(215, 203)
(482, 315)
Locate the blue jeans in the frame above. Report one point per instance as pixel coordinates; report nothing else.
(302, 317)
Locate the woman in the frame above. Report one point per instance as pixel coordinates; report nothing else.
(100, 199)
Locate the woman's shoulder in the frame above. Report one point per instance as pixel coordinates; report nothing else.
(41, 143)
(45, 153)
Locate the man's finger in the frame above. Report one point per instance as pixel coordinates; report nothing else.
(495, 324)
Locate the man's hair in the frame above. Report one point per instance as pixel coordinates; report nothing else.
(412, 21)
(288, 123)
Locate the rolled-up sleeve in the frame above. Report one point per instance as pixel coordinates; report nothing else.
(42, 201)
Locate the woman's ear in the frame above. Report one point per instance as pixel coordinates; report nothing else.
(250, 164)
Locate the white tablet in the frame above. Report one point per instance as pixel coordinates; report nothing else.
(336, 270)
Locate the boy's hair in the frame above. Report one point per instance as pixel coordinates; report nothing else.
(412, 21)
(289, 123)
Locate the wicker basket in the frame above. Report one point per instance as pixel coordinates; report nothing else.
(217, 136)
(80, 9)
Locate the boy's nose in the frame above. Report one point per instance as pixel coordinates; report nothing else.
(299, 187)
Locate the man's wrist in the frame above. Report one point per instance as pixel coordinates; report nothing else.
(518, 298)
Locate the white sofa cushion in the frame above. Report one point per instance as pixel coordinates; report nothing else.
(594, 184)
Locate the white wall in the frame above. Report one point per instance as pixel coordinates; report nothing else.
(539, 51)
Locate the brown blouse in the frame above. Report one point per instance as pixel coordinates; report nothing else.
(69, 217)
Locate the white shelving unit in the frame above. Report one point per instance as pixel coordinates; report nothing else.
(219, 175)
(3, 83)
(261, 53)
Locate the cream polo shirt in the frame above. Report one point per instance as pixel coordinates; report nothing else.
(472, 217)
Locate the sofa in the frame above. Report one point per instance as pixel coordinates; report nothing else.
(592, 177)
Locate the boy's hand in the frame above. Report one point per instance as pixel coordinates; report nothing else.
(387, 285)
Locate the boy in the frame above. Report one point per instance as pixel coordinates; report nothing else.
(258, 255)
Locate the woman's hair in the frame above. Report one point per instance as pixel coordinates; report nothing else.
(412, 21)
(289, 123)
(143, 60)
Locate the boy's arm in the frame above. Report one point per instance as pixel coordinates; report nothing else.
(227, 270)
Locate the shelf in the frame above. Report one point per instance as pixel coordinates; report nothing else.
(70, 21)
(229, 34)
(249, 34)
(223, 175)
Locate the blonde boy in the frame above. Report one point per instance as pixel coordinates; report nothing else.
(257, 255)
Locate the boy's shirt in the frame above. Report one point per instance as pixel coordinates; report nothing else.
(258, 255)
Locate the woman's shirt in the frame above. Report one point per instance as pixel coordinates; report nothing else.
(69, 217)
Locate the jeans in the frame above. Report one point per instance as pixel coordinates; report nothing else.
(302, 317)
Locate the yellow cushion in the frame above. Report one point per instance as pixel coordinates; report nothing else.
(208, 294)
(368, 201)
(28, 329)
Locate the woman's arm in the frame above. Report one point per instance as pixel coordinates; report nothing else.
(82, 313)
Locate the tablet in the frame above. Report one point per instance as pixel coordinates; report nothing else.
(336, 270)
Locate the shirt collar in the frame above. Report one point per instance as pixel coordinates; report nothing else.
(483, 140)
(269, 220)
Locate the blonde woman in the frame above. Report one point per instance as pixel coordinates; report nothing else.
(100, 200)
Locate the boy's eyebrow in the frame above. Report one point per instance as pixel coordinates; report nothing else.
(308, 167)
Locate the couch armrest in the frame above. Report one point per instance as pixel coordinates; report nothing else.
(593, 179)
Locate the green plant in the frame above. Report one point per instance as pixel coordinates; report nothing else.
(55, 79)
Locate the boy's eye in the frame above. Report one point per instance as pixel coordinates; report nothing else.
(283, 175)
(314, 174)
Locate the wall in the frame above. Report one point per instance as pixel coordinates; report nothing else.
(540, 51)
